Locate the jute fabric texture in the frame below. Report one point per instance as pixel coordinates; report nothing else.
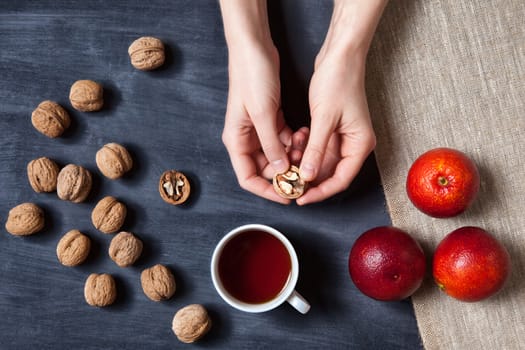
(452, 73)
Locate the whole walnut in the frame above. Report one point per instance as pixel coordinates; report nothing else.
(100, 290)
(73, 248)
(113, 160)
(86, 96)
(191, 323)
(158, 283)
(42, 174)
(50, 118)
(146, 53)
(108, 215)
(73, 183)
(25, 219)
(125, 248)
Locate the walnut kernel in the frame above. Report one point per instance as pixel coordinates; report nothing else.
(73, 183)
(100, 290)
(86, 96)
(42, 174)
(73, 248)
(191, 323)
(113, 160)
(146, 53)
(108, 215)
(289, 184)
(158, 283)
(125, 248)
(50, 118)
(174, 187)
(25, 219)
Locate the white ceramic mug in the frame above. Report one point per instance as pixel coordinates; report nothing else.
(287, 293)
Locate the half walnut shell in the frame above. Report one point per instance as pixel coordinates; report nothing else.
(289, 184)
(174, 187)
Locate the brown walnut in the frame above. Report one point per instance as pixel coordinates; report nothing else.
(108, 215)
(73, 248)
(25, 219)
(191, 323)
(158, 283)
(113, 160)
(146, 53)
(42, 174)
(50, 118)
(174, 187)
(125, 248)
(100, 290)
(73, 183)
(86, 96)
(289, 184)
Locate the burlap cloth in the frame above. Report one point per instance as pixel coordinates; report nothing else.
(452, 73)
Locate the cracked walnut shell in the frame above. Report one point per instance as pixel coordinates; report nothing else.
(108, 215)
(146, 53)
(73, 248)
(25, 219)
(86, 96)
(191, 323)
(125, 248)
(50, 118)
(42, 174)
(174, 187)
(100, 290)
(289, 184)
(158, 283)
(113, 160)
(73, 183)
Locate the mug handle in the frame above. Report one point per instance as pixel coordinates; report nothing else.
(298, 302)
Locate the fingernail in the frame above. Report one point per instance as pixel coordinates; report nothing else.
(307, 171)
(279, 166)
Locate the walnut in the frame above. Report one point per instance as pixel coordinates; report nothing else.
(158, 283)
(25, 219)
(108, 215)
(174, 187)
(146, 53)
(73, 248)
(42, 174)
(289, 184)
(86, 96)
(125, 248)
(113, 160)
(100, 290)
(50, 118)
(73, 183)
(191, 323)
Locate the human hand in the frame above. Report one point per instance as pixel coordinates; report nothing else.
(255, 133)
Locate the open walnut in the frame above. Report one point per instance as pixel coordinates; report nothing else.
(174, 187)
(289, 184)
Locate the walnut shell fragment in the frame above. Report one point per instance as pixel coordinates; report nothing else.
(108, 215)
(158, 283)
(73, 183)
(289, 184)
(50, 118)
(174, 187)
(113, 160)
(100, 290)
(25, 219)
(147, 53)
(125, 248)
(42, 174)
(191, 323)
(86, 96)
(73, 248)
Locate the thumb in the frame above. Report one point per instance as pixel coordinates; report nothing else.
(320, 133)
(271, 144)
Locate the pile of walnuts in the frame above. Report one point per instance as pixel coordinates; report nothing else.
(74, 183)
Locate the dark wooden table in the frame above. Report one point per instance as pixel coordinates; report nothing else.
(169, 118)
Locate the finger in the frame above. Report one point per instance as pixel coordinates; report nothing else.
(320, 133)
(269, 138)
